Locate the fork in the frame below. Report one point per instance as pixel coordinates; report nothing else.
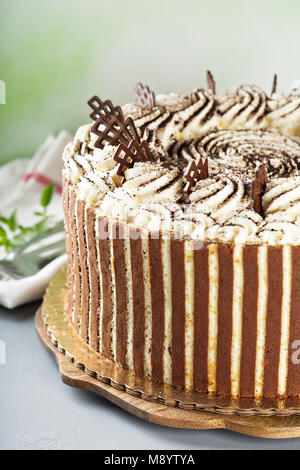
(34, 255)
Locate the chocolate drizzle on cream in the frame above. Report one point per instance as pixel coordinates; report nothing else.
(236, 133)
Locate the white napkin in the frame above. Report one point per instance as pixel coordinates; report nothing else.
(22, 182)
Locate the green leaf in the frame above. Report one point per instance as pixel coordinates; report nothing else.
(12, 221)
(4, 220)
(47, 195)
(8, 246)
(41, 226)
(23, 234)
(3, 236)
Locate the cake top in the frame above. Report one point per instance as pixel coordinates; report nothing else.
(200, 166)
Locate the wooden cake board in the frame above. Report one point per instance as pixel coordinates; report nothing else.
(275, 427)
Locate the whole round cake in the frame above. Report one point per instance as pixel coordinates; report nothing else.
(182, 217)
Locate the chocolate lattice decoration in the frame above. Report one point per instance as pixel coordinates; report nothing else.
(196, 170)
(114, 131)
(126, 156)
(144, 96)
(211, 82)
(258, 188)
(104, 108)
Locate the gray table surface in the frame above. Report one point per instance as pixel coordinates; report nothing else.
(37, 411)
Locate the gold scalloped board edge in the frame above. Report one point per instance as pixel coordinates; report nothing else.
(53, 315)
(275, 427)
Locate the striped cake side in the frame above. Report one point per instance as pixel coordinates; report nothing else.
(221, 319)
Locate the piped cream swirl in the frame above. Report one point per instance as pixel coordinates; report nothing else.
(235, 133)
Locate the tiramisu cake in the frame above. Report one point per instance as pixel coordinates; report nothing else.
(183, 230)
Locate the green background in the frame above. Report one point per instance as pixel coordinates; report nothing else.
(55, 54)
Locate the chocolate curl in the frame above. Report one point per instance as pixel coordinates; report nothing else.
(210, 82)
(104, 108)
(196, 170)
(144, 96)
(258, 188)
(114, 131)
(126, 156)
(274, 85)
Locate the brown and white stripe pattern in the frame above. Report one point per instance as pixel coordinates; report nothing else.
(219, 319)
